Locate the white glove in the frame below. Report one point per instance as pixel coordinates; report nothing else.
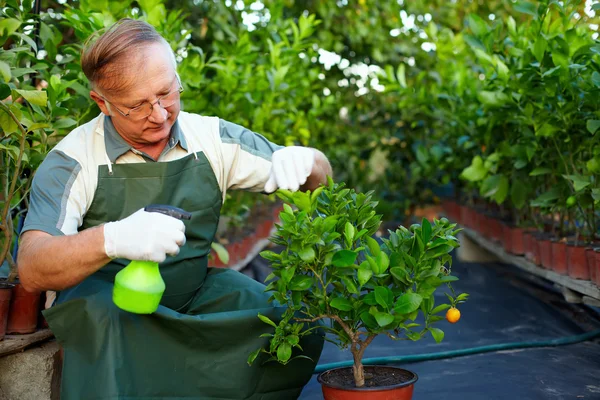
(290, 167)
(147, 236)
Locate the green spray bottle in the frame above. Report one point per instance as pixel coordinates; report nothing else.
(139, 286)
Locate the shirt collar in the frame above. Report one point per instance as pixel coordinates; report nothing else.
(116, 146)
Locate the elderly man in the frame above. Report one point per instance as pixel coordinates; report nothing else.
(86, 222)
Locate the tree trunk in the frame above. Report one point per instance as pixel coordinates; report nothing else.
(359, 371)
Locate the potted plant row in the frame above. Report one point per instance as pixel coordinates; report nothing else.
(334, 275)
(538, 244)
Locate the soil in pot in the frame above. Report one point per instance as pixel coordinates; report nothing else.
(6, 290)
(23, 314)
(381, 383)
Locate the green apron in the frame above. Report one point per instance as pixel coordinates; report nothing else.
(196, 344)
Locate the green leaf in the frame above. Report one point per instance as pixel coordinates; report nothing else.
(284, 352)
(493, 99)
(383, 319)
(596, 194)
(302, 201)
(518, 194)
(408, 303)
(438, 251)
(373, 246)
(341, 304)
(540, 171)
(398, 273)
(539, 48)
(343, 258)
(287, 274)
(350, 285)
(596, 78)
(8, 26)
(7, 123)
(426, 230)
(364, 274)
(4, 91)
(495, 187)
(382, 296)
(267, 320)
(401, 75)
(476, 171)
(64, 123)
(5, 72)
(349, 232)
(293, 339)
(579, 181)
(526, 8)
(37, 97)
(369, 320)
(546, 130)
(307, 254)
(437, 334)
(440, 308)
(477, 25)
(221, 252)
(253, 356)
(593, 125)
(383, 262)
(301, 282)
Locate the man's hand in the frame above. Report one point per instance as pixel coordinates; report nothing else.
(291, 166)
(144, 236)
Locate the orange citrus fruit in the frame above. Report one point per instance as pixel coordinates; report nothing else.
(453, 315)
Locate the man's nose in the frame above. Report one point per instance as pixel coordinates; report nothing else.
(158, 114)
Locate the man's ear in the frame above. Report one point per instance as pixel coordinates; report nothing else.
(100, 101)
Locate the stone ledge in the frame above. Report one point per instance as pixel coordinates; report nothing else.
(33, 374)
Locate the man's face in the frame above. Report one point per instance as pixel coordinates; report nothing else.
(151, 74)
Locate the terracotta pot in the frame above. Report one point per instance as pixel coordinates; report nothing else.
(463, 215)
(534, 245)
(497, 231)
(590, 257)
(576, 262)
(6, 290)
(597, 262)
(400, 391)
(518, 241)
(23, 314)
(545, 246)
(559, 257)
(507, 238)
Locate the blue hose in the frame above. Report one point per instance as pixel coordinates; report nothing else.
(464, 352)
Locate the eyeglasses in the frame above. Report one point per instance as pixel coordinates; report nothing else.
(145, 109)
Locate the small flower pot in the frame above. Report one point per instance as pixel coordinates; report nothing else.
(338, 384)
(577, 262)
(590, 256)
(507, 238)
(23, 314)
(545, 246)
(518, 241)
(597, 262)
(559, 257)
(531, 248)
(6, 290)
(497, 230)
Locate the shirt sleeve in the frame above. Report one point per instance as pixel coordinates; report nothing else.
(246, 157)
(57, 199)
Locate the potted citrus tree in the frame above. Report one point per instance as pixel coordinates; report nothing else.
(334, 275)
